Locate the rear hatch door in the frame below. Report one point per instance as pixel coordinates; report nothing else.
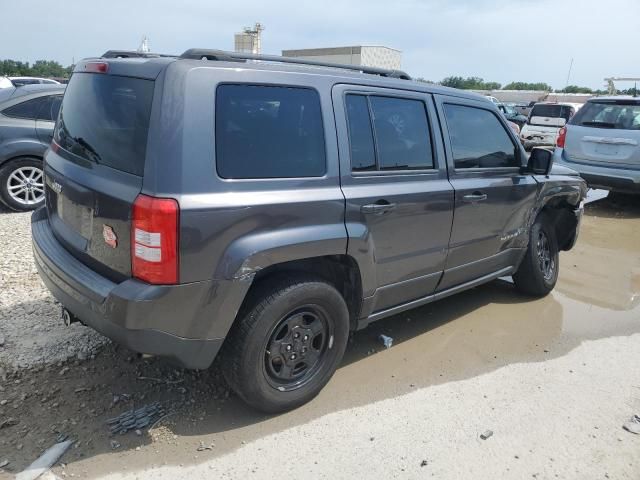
(95, 167)
(606, 131)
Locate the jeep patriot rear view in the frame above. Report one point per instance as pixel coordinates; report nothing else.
(261, 210)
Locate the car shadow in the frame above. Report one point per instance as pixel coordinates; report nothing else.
(616, 206)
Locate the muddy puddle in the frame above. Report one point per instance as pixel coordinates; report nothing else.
(598, 295)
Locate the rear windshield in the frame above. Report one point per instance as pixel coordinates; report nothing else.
(552, 111)
(617, 115)
(105, 118)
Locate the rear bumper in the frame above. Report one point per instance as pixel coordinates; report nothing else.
(186, 323)
(597, 176)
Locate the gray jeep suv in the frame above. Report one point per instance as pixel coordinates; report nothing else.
(264, 207)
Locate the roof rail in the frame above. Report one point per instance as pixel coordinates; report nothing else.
(220, 55)
(131, 54)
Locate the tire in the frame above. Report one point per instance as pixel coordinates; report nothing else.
(22, 184)
(538, 272)
(257, 354)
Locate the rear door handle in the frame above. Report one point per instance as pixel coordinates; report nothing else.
(475, 197)
(377, 208)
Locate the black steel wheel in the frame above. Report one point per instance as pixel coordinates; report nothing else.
(296, 347)
(538, 272)
(286, 342)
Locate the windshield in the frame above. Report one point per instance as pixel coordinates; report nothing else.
(617, 115)
(105, 118)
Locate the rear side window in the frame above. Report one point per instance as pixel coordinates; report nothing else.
(105, 119)
(28, 110)
(478, 139)
(399, 139)
(269, 132)
(616, 115)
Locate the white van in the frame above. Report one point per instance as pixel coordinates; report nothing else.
(544, 122)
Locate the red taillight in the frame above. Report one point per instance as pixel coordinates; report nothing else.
(154, 240)
(562, 136)
(96, 67)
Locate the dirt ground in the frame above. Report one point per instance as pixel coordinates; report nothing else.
(483, 333)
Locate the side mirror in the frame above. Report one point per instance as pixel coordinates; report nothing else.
(540, 161)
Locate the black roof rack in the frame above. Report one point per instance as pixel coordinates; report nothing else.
(131, 54)
(220, 55)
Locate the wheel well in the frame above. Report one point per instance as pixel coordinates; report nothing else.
(563, 221)
(20, 157)
(341, 271)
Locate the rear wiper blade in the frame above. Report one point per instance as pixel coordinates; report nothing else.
(599, 124)
(88, 148)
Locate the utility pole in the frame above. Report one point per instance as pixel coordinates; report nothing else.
(568, 74)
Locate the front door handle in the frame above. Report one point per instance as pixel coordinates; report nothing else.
(475, 197)
(377, 208)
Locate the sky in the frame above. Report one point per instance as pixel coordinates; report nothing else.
(498, 40)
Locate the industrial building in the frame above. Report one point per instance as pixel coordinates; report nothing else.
(365, 55)
(249, 40)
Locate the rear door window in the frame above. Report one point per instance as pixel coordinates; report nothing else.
(27, 110)
(614, 115)
(269, 132)
(478, 139)
(388, 133)
(105, 119)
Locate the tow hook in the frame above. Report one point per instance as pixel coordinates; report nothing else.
(68, 318)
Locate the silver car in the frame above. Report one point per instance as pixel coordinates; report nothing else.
(27, 117)
(602, 142)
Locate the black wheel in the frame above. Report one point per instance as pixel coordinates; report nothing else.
(22, 184)
(538, 272)
(287, 343)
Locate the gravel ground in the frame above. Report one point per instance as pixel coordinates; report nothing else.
(30, 323)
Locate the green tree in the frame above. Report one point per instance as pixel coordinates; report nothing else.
(469, 83)
(528, 86)
(576, 89)
(41, 68)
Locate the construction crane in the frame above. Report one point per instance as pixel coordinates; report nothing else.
(611, 85)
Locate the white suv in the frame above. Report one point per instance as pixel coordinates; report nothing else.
(544, 122)
(602, 142)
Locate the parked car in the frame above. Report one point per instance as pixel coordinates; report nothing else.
(544, 122)
(514, 126)
(205, 203)
(5, 83)
(602, 142)
(27, 118)
(21, 81)
(511, 114)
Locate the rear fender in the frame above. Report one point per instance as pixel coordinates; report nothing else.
(256, 251)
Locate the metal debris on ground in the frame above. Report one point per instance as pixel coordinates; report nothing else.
(203, 447)
(486, 434)
(45, 461)
(4, 463)
(135, 419)
(633, 425)
(386, 341)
